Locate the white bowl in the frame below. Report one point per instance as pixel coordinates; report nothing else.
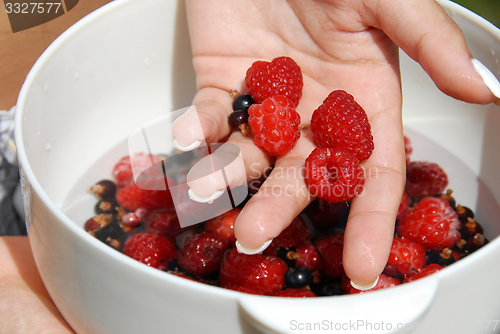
(130, 62)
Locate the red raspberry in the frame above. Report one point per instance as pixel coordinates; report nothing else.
(403, 206)
(432, 222)
(334, 174)
(342, 122)
(307, 256)
(430, 269)
(275, 125)
(281, 76)
(384, 282)
(133, 197)
(151, 249)
(425, 179)
(408, 148)
(263, 273)
(295, 293)
(223, 225)
(202, 253)
(331, 248)
(295, 235)
(163, 221)
(406, 256)
(122, 171)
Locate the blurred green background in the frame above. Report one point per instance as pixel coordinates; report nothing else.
(489, 9)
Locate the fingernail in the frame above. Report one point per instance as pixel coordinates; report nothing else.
(202, 199)
(489, 78)
(190, 147)
(251, 251)
(364, 287)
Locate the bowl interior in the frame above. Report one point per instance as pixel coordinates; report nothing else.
(108, 75)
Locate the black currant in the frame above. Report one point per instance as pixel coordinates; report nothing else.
(282, 253)
(104, 189)
(238, 120)
(475, 242)
(106, 206)
(297, 277)
(112, 230)
(243, 102)
(443, 258)
(450, 199)
(464, 213)
(331, 289)
(470, 228)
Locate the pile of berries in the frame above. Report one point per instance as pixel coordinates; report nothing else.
(340, 127)
(305, 260)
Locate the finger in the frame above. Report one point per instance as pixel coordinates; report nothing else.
(205, 123)
(370, 227)
(424, 30)
(241, 160)
(278, 201)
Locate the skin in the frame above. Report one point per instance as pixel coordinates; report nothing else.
(349, 45)
(25, 305)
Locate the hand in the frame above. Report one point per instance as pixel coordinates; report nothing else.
(25, 305)
(350, 45)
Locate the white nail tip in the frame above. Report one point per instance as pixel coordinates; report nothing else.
(251, 251)
(488, 77)
(200, 199)
(364, 287)
(191, 147)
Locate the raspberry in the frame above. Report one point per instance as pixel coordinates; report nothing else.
(132, 197)
(296, 293)
(403, 206)
(123, 173)
(330, 248)
(163, 221)
(342, 122)
(202, 253)
(425, 179)
(405, 257)
(263, 273)
(151, 249)
(275, 125)
(223, 225)
(384, 282)
(307, 256)
(408, 148)
(281, 76)
(295, 235)
(430, 269)
(334, 174)
(432, 222)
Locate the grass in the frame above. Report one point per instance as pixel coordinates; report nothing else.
(488, 9)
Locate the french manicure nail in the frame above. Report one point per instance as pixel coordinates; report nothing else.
(488, 77)
(201, 199)
(364, 287)
(190, 147)
(251, 251)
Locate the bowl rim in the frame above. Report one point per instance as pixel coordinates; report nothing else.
(84, 236)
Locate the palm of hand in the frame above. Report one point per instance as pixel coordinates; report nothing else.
(334, 51)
